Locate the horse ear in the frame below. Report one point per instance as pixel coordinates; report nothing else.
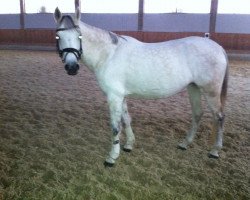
(57, 14)
(78, 13)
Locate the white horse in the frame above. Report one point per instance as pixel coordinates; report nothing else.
(126, 67)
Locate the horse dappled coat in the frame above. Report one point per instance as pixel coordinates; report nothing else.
(126, 67)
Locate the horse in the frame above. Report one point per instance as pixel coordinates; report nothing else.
(126, 67)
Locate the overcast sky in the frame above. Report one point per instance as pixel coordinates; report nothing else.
(130, 6)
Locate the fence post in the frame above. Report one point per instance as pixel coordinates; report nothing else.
(22, 13)
(78, 4)
(140, 15)
(213, 14)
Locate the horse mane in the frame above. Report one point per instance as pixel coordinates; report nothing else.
(115, 37)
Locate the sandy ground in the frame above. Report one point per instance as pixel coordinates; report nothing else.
(55, 135)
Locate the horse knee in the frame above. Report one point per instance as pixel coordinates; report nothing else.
(116, 130)
(220, 117)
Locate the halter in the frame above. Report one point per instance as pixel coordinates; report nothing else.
(76, 52)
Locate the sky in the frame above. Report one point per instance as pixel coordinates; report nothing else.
(129, 6)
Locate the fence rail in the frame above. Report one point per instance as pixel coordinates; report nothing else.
(46, 37)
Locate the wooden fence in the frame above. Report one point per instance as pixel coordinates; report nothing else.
(46, 37)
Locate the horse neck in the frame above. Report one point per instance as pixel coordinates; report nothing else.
(97, 46)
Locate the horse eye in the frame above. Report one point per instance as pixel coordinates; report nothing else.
(57, 37)
(80, 37)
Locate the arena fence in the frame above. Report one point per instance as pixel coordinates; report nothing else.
(46, 37)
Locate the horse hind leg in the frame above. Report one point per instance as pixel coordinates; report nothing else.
(216, 101)
(216, 108)
(195, 101)
(126, 119)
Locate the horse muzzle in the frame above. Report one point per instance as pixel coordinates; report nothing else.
(72, 69)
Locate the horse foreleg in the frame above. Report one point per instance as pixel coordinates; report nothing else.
(195, 101)
(115, 107)
(126, 119)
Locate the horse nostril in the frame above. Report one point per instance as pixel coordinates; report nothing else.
(72, 69)
(66, 67)
(77, 67)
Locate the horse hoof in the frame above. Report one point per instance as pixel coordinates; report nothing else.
(181, 147)
(213, 156)
(108, 164)
(127, 150)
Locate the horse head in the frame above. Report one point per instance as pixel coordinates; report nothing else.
(68, 40)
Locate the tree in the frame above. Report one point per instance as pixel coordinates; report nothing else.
(42, 9)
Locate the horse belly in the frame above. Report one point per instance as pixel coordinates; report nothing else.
(157, 82)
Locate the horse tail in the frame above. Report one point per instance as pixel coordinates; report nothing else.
(223, 95)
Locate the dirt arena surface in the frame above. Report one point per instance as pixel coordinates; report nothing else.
(55, 135)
